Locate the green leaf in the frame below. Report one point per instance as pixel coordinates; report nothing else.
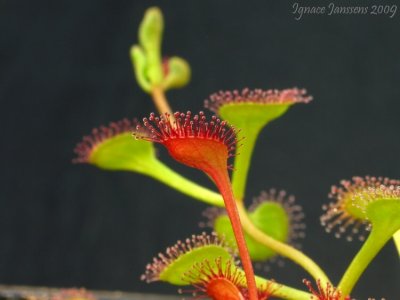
(250, 118)
(174, 271)
(269, 217)
(123, 152)
(385, 213)
(248, 114)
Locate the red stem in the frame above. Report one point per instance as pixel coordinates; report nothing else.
(223, 183)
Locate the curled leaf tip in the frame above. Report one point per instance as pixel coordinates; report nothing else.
(151, 70)
(177, 73)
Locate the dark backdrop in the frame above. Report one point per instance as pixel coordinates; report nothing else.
(65, 69)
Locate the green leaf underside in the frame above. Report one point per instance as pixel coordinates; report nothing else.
(252, 113)
(270, 217)
(123, 152)
(173, 272)
(385, 213)
(250, 118)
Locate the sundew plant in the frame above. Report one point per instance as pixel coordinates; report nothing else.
(219, 142)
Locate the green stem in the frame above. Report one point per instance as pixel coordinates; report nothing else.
(396, 238)
(283, 249)
(243, 159)
(282, 291)
(376, 240)
(169, 177)
(384, 216)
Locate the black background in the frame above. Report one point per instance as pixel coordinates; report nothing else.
(64, 69)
